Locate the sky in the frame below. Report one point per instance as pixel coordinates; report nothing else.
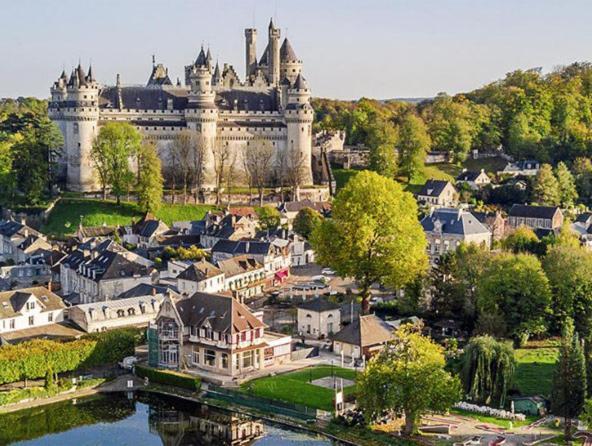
(350, 49)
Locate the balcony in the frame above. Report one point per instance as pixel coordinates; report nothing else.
(168, 335)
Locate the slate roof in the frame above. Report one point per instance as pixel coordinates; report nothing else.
(469, 175)
(453, 221)
(433, 188)
(146, 289)
(12, 302)
(295, 206)
(584, 217)
(287, 52)
(300, 83)
(199, 271)
(113, 265)
(238, 265)
(319, 305)
(526, 211)
(225, 314)
(365, 331)
(242, 247)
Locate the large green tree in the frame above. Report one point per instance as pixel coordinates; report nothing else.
(149, 179)
(514, 297)
(487, 370)
(545, 190)
(112, 150)
(407, 376)
(567, 185)
(374, 235)
(305, 221)
(569, 380)
(414, 142)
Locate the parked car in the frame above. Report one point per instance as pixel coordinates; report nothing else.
(128, 362)
(328, 272)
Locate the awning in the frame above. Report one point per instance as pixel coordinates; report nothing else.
(282, 274)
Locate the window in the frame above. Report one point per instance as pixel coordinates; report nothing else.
(224, 360)
(12, 323)
(31, 320)
(131, 312)
(50, 317)
(76, 128)
(247, 359)
(195, 356)
(120, 313)
(210, 358)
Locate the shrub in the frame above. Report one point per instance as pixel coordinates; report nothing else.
(169, 378)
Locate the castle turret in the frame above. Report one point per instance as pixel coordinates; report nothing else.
(75, 109)
(250, 52)
(290, 65)
(202, 114)
(273, 56)
(299, 116)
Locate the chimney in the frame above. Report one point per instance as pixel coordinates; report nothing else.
(49, 286)
(153, 291)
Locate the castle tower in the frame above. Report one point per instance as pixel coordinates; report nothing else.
(299, 115)
(290, 65)
(273, 58)
(250, 52)
(75, 109)
(201, 115)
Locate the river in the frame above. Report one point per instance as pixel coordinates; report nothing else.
(145, 420)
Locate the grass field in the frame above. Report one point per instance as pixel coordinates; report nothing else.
(492, 420)
(534, 370)
(66, 215)
(295, 388)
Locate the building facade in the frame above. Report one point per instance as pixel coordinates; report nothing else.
(217, 108)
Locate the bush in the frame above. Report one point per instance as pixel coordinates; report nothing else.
(169, 378)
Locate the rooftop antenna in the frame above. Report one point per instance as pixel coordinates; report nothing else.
(153, 60)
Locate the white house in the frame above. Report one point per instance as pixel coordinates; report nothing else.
(29, 308)
(201, 276)
(243, 276)
(18, 241)
(318, 318)
(364, 337)
(474, 179)
(438, 193)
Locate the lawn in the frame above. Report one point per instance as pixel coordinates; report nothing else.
(493, 420)
(67, 214)
(294, 387)
(534, 370)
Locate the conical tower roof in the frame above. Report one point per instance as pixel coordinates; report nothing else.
(287, 52)
(201, 60)
(300, 83)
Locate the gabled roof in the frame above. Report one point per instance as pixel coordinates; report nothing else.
(199, 271)
(526, 211)
(242, 247)
(295, 206)
(365, 331)
(453, 221)
(222, 313)
(469, 175)
(319, 305)
(146, 289)
(434, 188)
(12, 302)
(238, 265)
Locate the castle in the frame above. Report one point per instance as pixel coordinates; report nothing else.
(272, 104)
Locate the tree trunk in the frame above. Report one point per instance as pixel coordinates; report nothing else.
(104, 193)
(118, 199)
(261, 197)
(365, 295)
(409, 428)
(184, 189)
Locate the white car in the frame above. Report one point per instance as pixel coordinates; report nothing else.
(128, 362)
(328, 271)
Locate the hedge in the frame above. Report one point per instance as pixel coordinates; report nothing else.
(33, 359)
(169, 378)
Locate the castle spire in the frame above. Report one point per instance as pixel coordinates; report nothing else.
(287, 52)
(201, 58)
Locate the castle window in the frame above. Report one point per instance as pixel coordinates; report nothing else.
(76, 128)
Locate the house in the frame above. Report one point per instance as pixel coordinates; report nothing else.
(535, 217)
(363, 338)
(26, 274)
(318, 318)
(276, 260)
(474, 179)
(530, 405)
(19, 241)
(301, 253)
(446, 229)
(494, 221)
(107, 315)
(145, 232)
(582, 226)
(526, 168)
(145, 289)
(29, 308)
(289, 209)
(215, 334)
(200, 276)
(438, 193)
(243, 276)
(85, 233)
(227, 226)
(100, 270)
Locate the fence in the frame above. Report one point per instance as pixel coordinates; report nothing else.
(267, 405)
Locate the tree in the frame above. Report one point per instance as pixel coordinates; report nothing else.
(111, 152)
(583, 176)
(567, 185)
(181, 151)
(568, 270)
(295, 172)
(198, 157)
(150, 178)
(414, 142)
(522, 240)
(546, 188)
(409, 376)
(381, 140)
(305, 221)
(231, 176)
(221, 154)
(515, 290)
(487, 370)
(569, 379)
(269, 217)
(257, 161)
(374, 235)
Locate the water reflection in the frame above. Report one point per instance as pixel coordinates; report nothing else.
(126, 420)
